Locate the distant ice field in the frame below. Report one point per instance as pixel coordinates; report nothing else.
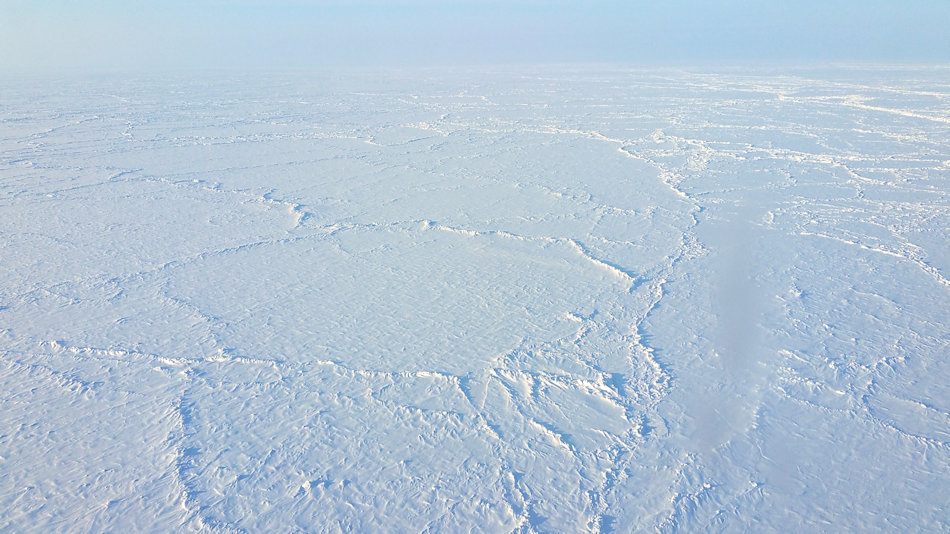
(559, 299)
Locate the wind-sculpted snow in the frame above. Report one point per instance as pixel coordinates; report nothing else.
(557, 300)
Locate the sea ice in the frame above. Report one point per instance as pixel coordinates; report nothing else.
(543, 300)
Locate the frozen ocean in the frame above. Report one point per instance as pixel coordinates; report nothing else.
(551, 299)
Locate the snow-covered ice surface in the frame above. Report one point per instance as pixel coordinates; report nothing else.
(549, 300)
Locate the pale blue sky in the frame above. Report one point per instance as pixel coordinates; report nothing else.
(41, 35)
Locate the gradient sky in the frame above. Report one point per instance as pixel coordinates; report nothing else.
(50, 35)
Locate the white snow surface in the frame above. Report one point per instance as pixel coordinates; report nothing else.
(561, 299)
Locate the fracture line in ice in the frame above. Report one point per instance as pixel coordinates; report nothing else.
(911, 257)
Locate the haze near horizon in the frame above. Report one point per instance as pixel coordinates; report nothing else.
(249, 34)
